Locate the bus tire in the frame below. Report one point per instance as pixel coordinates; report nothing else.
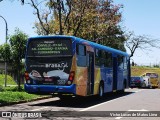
(123, 90)
(65, 98)
(101, 90)
(124, 86)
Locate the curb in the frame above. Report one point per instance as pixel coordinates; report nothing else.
(23, 101)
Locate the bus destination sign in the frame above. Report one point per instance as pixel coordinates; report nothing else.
(49, 47)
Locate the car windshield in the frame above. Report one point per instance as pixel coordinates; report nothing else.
(152, 75)
(135, 78)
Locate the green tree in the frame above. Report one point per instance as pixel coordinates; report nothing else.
(18, 46)
(5, 52)
(94, 20)
(5, 55)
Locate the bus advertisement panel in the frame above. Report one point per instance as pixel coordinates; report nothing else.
(44, 64)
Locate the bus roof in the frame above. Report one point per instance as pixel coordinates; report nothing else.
(82, 41)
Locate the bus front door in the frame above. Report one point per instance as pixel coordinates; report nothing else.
(90, 65)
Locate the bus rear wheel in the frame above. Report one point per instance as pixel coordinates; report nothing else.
(65, 98)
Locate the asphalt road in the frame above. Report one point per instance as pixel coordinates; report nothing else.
(111, 107)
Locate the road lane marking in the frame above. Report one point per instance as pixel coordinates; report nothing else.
(117, 118)
(108, 101)
(99, 104)
(139, 90)
(139, 110)
(40, 109)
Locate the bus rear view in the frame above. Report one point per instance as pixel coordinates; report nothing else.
(70, 66)
(48, 65)
(154, 79)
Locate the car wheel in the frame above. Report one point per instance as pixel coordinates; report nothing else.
(150, 87)
(143, 85)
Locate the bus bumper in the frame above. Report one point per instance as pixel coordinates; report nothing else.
(49, 89)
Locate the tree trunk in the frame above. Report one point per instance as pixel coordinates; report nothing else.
(60, 17)
(18, 76)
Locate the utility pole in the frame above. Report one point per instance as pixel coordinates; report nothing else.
(5, 82)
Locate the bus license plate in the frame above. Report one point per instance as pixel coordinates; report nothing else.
(48, 79)
(61, 82)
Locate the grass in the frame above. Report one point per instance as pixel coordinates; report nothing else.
(9, 97)
(10, 80)
(12, 88)
(138, 70)
(11, 94)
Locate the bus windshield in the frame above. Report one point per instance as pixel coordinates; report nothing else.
(49, 47)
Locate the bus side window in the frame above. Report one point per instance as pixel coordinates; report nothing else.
(97, 57)
(81, 50)
(81, 55)
(125, 63)
(102, 59)
(120, 62)
(108, 59)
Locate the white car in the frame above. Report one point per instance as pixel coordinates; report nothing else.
(146, 82)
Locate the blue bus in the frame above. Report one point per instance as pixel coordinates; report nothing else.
(71, 66)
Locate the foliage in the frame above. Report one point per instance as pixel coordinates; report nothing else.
(10, 80)
(11, 94)
(18, 46)
(9, 97)
(139, 70)
(156, 66)
(5, 52)
(142, 42)
(95, 20)
(12, 88)
(15, 51)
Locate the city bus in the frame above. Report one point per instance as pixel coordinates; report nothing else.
(153, 79)
(70, 66)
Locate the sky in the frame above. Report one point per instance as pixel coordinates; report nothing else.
(140, 16)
